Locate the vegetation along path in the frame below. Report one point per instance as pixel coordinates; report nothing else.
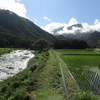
(50, 85)
(70, 84)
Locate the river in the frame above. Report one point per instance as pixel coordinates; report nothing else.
(14, 62)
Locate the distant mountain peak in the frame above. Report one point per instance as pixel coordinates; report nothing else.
(75, 25)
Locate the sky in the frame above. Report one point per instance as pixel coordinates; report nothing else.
(51, 14)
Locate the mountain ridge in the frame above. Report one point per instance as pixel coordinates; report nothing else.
(16, 31)
(21, 29)
(90, 37)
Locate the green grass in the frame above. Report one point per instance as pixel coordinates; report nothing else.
(42, 79)
(83, 67)
(79, 66)
(49, 81)
(22, 84)
(70, 83)
(77, 51)
(84, 96)
(5, 50)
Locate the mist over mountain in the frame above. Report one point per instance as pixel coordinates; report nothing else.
(19, 32)
(74, 30)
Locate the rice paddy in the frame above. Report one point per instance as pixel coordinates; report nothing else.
(84, 65)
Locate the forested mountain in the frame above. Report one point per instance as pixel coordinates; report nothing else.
(16, 31)
(90, 37)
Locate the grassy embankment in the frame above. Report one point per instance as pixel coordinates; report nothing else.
(41, 80)
(19, 86)
(5, 50)
(49, 81)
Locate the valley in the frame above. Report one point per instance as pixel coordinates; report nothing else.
(49, 74)
(38, 65)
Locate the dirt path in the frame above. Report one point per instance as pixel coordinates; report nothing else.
(49, 80)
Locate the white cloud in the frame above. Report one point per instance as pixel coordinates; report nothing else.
(14, 6)
(73, 21)
(96, 21)
(62, 28)
(46, 18)
(52, 26)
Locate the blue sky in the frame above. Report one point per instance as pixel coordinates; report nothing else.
(62, 10)
(46, 12)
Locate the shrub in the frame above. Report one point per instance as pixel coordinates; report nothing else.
(84, 96)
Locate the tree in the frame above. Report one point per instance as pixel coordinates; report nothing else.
(72, 44)
(40, 45)
(99, 42)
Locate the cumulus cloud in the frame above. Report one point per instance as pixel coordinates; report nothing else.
(46, 18)
(63, 28)
(14, 6)
(73, 21)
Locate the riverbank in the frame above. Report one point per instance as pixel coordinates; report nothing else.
(20, 86)
(5, 50)
(14, 62)
(42, 80)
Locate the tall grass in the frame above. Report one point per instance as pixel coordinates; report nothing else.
(5, 50)
(20, 85)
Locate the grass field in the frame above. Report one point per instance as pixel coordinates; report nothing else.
(84, 68)
(77, 51)
(5, 50)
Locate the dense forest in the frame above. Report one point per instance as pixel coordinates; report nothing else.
(16, 31)
(70, 44)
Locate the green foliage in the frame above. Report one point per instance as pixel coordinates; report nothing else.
(18, 32)
(5, 50)
(20, 85)
(40, 45)
(98, 42)
(84, 96)
(72, 44)
(49, 80)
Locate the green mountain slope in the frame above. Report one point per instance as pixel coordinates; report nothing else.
(19, 32)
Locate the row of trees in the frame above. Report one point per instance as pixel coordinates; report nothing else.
(43, 45)
(98, 45)
(70, 44)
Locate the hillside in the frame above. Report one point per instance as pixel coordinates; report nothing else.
(75, 32)
(16, 31)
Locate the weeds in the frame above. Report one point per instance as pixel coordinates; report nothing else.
(20, 85)
(85, 96)
(5, 50)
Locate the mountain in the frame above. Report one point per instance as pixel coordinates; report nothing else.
(19, 32)
(75, 25)
(90, 37)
